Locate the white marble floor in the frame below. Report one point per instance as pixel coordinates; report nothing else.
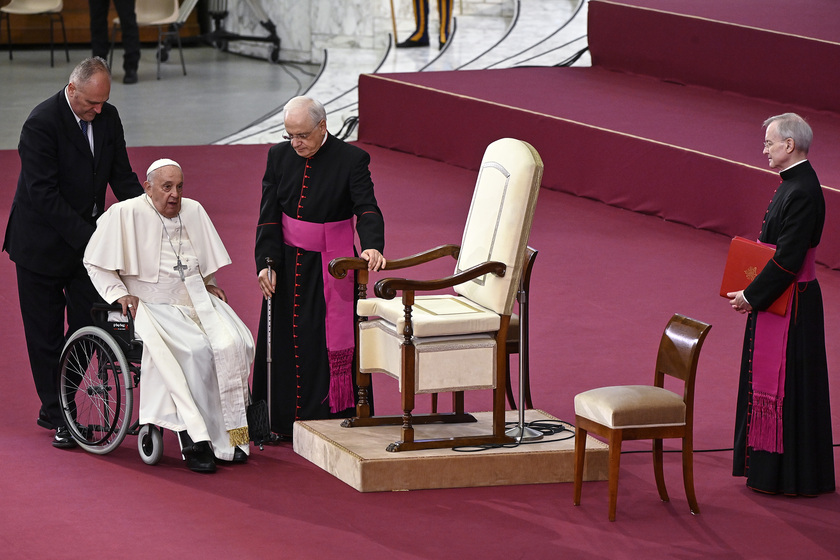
(227, 98)
(539, 33)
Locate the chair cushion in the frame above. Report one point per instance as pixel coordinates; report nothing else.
(631, 406)
(435, 315)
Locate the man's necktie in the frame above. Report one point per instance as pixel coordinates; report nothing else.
(84, 125)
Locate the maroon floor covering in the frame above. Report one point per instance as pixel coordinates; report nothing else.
(683, 143)
(772, 49)
(605, 283)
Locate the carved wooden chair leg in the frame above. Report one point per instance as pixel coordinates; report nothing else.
(580, 454)
(658, 471)
(615, 463)
(688, 474)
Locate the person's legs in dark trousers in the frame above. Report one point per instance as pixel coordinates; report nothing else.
(42, 310)
(100, 42)
(43, 300)
(130, 34)
(100, 32)
(80, 295)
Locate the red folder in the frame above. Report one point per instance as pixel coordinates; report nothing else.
(745, 260)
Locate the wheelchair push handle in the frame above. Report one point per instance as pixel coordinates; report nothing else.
(99, 312)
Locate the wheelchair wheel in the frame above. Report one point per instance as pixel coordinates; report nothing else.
(96, 391)
(150, 444)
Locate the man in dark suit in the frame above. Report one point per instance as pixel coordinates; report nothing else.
(71, 146)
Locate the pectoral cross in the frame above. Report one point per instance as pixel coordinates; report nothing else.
(180, 267)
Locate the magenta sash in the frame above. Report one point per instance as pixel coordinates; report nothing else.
(768, 369)
(332, 240)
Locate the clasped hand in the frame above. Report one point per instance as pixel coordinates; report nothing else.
(738, 302)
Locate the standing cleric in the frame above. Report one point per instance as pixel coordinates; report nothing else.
(783, 441)
(315, 187)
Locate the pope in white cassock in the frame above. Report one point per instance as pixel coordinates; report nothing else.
(157, 255)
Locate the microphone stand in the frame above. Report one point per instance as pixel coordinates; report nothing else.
(521, 432)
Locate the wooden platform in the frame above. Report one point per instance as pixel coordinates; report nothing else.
(357, 456)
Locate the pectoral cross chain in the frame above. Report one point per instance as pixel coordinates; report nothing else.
(180, 267)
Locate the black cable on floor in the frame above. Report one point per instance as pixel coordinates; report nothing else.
(547, 428)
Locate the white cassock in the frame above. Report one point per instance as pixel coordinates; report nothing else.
(197, 353)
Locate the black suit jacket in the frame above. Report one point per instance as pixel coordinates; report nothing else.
(60, 184)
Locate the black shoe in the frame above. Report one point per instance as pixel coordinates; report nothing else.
(199, 457)
(63, 439)
(44, 421)
(239, 456)
(408, 43)
(130, 77)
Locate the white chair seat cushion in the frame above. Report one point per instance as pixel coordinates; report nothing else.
(442, 364)
(631, 406)
(434, 315)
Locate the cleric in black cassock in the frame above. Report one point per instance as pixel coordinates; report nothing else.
(795, 455)
(314, 186)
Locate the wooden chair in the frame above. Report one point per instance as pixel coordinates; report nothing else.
(646, 412)
(452, 343)
(51, 8)
(166, 16)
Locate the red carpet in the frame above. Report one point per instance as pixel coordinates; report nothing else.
(667, 121)
(780, 50)
(605, 283)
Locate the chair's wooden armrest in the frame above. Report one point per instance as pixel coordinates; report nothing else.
(387, 288)
(424, 257)
(340, 266)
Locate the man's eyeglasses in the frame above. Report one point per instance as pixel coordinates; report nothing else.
(304, 136)
(769, 143)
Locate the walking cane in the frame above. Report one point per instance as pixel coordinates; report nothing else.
(259, 413)
(269, 263)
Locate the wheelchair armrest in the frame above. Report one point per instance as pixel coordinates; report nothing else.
(99, 312)
(123, 330)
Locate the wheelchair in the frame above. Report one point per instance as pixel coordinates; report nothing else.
(99, 371)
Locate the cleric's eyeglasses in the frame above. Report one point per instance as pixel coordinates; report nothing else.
(769, 143)
(304, 136)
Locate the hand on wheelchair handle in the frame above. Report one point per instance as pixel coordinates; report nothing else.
(129, 305)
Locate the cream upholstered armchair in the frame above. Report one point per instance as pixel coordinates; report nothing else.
(452, 343)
